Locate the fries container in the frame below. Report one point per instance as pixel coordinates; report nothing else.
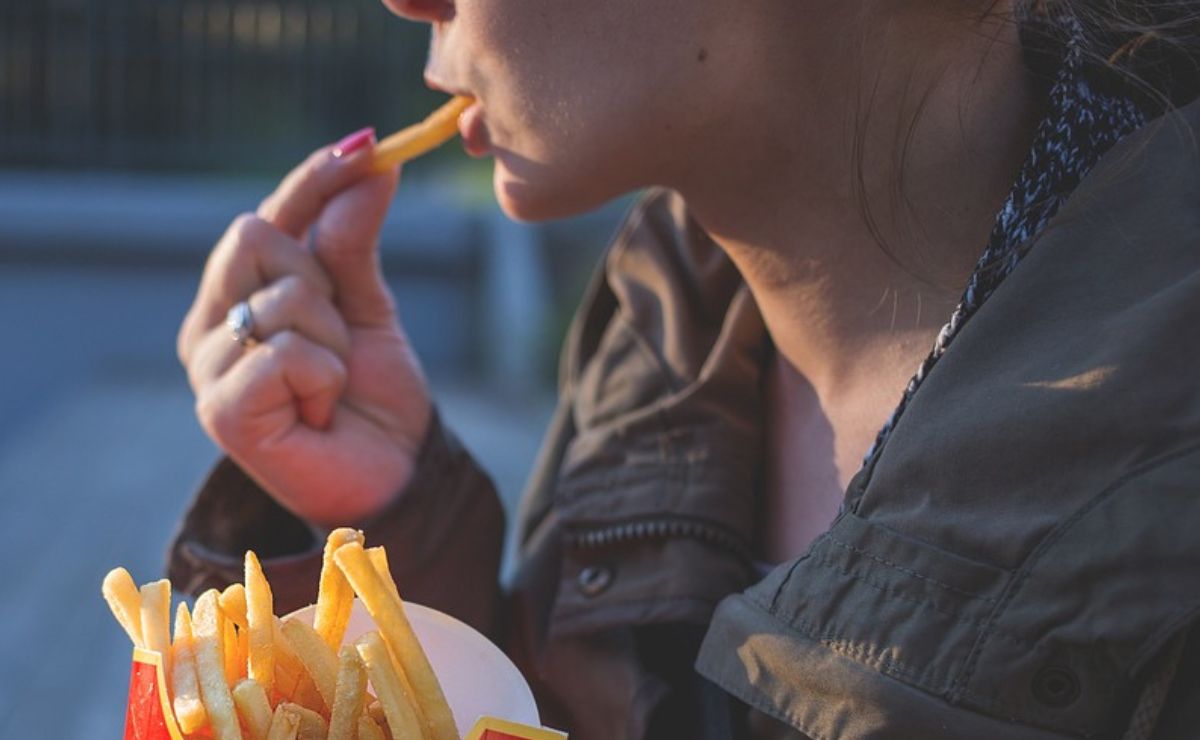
(148, 714)
(487, 694)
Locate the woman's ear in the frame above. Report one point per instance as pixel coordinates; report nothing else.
(428, 11)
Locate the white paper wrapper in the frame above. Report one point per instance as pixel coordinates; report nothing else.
(478, 679)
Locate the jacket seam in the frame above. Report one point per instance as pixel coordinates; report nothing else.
(773, 608)
(1023, 573)
(860, 652)
(958, 617)
(909, 571)
(756, 700)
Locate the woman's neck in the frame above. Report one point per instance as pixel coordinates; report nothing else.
(907, 132)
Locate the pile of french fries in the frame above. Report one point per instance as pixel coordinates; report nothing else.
(236, 671)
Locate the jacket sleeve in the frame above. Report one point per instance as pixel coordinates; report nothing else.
(443, 535)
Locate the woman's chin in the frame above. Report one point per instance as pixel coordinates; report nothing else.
(538, 195)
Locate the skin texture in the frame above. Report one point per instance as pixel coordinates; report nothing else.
(783, 124)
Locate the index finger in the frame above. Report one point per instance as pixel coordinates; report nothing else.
(300, 198)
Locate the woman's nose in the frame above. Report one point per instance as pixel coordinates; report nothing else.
(429, 11)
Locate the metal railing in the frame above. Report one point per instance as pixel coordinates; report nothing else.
(199, 84)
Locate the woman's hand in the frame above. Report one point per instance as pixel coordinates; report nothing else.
(326, 407)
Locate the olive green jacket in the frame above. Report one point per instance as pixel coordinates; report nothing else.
(1021, 560)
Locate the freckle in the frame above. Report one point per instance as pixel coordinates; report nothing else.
(702, 56)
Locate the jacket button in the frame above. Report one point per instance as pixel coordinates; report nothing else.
(1055, 686)
(595, 579)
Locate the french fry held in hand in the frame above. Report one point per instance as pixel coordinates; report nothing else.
(412, 142)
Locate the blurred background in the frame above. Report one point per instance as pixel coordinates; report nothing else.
(131, 133)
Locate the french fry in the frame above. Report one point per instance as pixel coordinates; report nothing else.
(350, 697)
(156, 620)
(235, 669)
(387, 610)
(312, 725)
(378, 557)
(243, 650)
(399, 708)
(289, 671)
(233, 606)
(375, 709)
(233, 603)
(123, 599)
(207, 631)
(367, 729)
(260, 617)
(285, 724)
(308, 696)
(189, 710)
(334, 595)
(318, 659)
(292, 680)
(287, 679)
(412, 142)
(253, 707)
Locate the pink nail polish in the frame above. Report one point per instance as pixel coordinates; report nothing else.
(353, 142)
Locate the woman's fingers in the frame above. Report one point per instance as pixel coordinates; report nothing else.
(346, 242)
(288, 304)
(304, 192)
(344, 203)
(251, 254)
(275, 385)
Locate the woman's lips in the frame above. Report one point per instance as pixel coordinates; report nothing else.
(473, 128)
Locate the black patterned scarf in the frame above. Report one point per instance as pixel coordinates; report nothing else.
(1082, 123)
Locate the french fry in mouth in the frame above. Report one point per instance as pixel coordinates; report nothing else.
(420, 138)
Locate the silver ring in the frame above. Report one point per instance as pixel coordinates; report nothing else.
(240, 321)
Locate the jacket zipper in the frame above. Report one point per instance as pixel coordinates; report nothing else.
(658, 529)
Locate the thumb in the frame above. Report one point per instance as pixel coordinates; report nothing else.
(346, 242)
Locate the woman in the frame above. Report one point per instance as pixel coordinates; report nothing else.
(704, 552)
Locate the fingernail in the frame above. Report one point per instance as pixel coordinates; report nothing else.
(353, 142)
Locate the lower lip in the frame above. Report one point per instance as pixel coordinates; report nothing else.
(473, 129)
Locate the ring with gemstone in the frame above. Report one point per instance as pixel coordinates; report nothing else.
(240, 321)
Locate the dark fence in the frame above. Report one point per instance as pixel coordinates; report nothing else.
(199, 84)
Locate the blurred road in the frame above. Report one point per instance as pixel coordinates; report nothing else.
(99, 452)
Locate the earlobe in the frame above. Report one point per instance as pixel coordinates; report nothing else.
(427, 11)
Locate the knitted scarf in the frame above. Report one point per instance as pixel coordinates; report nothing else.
(1082, 124)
